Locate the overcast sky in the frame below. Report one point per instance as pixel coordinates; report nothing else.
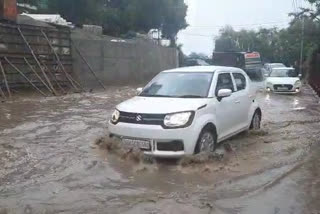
(206, 17)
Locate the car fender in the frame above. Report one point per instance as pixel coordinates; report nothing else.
(202, 119)
(252, 110)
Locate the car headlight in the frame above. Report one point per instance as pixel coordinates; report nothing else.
(115, 116)
(297, 83)
(178, 120)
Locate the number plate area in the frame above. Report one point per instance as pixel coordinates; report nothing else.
(283, 88)
(136, 143)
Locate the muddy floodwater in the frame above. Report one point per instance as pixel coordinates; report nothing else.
(50, 163)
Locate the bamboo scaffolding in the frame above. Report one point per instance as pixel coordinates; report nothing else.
(25, 77)
(37, 61)
(73, 82)
(5, 79)
(38, 76)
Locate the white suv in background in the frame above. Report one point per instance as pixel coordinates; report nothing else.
(186, 111)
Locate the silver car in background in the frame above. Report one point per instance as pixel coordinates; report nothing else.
(267, 68)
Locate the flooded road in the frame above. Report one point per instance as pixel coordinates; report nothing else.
(49, 162)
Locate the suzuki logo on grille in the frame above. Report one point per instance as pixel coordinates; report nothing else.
(139, 118)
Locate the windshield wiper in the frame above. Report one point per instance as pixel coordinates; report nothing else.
(159, 95)
(153, 95)
(191, 96)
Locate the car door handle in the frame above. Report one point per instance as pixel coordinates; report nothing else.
(237, 102)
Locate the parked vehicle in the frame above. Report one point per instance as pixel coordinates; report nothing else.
(186, 111)
(283, 80)
(250, 62)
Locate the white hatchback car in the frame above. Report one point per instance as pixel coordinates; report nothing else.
(186, 111)
(283, 80)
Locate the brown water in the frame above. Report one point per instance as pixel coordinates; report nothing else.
(49, 162)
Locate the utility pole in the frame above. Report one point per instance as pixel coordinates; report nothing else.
(159, 43)
(302, 46)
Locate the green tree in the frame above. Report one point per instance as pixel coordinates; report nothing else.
(31, 2)
(312, 13)
(273, 44)
(226, 41)
(143, 15)
(119, 17)
(173, 19)
(77, 11)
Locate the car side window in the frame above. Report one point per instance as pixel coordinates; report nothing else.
(224, 82)
(240, 80)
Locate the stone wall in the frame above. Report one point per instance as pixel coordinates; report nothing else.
(119, 61)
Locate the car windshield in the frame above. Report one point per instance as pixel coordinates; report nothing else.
(277, 65)
(181, 85)
(283, 73)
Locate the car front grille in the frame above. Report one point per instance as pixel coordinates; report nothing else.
(146, 119)
(173, 146)
(276, 87)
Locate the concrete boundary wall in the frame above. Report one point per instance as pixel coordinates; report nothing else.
(120, 62)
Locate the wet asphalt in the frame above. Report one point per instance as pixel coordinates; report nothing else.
(49, 162)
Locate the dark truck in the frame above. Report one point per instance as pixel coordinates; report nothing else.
(250, 62)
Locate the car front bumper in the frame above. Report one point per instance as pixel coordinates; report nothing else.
(293, 90)
(286, 92)
(157, 135)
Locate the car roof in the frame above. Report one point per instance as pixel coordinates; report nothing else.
(203, 69)
(276, 63)
(284, 68)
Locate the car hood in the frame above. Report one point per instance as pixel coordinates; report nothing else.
(282, 80)
(160, 105)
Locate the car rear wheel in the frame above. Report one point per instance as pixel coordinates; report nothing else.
(206, 142)
(256, 121)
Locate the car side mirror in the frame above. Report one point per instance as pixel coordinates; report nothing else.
(139, 90)
(222, 93)
(266, 75)
(300, 75)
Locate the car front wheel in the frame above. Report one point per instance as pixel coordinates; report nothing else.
(207, 142)
(256, 121)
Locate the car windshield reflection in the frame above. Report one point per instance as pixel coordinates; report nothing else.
(284, 73)
(179, 85)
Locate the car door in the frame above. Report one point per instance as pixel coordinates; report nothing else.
(243, 100)
(225, 108)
